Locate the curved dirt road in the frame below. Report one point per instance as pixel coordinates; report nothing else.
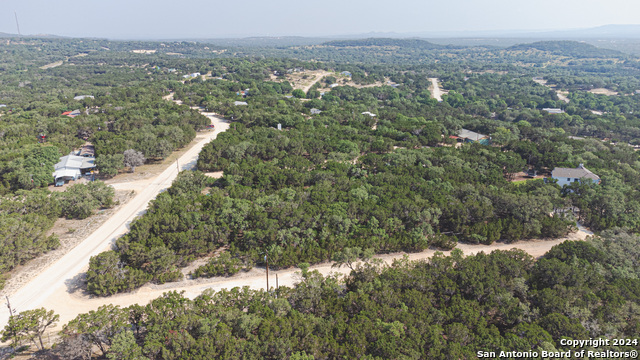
(62, 276)
(319, 77)
(69, 302)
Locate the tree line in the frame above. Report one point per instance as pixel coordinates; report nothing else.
(445, 307)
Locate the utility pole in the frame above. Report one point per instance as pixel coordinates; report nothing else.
(17, 24)
(266, 259)
(9, 306)
(178, 164)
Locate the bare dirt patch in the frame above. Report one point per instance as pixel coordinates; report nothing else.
(52, 65)
(540, 81)
(522, 176)
(304, 80)
(603, 91)
(306, 84)
(53, 188)
(348, 82)
(215, 174)
(70, 233)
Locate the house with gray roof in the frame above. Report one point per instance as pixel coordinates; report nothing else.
(566, 176)
(71, 167)
(472, 136)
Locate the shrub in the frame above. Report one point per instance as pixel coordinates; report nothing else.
(223, 265)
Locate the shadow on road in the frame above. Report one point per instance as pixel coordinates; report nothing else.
(77, 285)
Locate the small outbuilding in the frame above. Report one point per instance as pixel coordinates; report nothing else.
(87, 150)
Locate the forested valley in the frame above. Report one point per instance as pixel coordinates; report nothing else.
(365, 161)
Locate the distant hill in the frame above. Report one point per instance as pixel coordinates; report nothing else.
(600, 32)
(47, 36)
(405, 43)
(264, 41)
(569, 48)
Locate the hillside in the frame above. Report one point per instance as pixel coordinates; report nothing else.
(404, 43)
(569, 48)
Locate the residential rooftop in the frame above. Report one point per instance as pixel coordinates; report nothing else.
(577, 173)
(471, 135)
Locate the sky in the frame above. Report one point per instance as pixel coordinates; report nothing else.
(164, 19)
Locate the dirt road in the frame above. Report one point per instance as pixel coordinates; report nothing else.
(46, 289)
(562, 95)
(69, 302)
(436, 93)
(318, 77)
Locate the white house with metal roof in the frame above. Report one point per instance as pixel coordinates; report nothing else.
(566, 176)
(71, 167)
